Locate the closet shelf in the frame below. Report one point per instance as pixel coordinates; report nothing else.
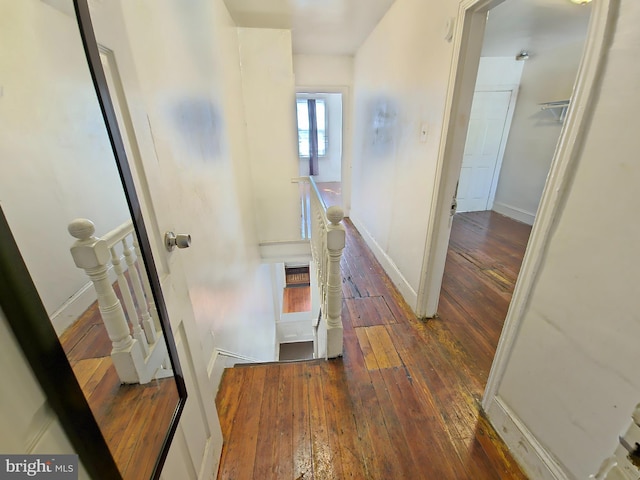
(558, 108)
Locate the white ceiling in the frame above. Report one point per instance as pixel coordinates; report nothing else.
(331, 27)
(339, 27)
(533, 25)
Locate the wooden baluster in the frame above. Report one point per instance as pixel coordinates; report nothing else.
(92, 254)
(130, 307)
(335, 245)
(147, 321)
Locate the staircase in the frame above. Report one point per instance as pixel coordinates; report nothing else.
(401, 403)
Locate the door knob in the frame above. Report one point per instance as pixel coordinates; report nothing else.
(180, 240)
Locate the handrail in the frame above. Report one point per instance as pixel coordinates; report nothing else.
(117, 234)
(327, 243)
(138, 349)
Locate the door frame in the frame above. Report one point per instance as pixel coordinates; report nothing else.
(468, 37)
(505, 133)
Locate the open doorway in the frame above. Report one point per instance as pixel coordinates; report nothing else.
(320, 139)
(469, 33)
(509, 147)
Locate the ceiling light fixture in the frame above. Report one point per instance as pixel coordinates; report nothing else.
(580, 2)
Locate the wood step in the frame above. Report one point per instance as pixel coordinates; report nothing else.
(315, 361)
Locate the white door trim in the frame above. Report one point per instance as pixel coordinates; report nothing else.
(557, 186)
(467, 40)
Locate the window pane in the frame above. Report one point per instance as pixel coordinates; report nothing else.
(303, 143)
(320, 114)
(303, 115)
(303, 127)
(320, 119)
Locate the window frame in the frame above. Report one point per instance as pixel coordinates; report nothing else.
(300, 97)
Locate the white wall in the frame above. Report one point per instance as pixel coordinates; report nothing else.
(188, 65)
(498, 72)
(57, 162)
(323, 70)
(34, 427)
(269, 102)
(547, 76)
(329, 165)
(400, 80)
(572, 377)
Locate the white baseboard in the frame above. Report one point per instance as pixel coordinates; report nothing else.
(514, 212)
(534, 459)
(75, 306)
(388, 265)
(221, 359)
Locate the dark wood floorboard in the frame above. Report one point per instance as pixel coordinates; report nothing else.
(133, 419)
(404, 400)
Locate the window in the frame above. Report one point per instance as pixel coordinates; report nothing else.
(302, 105)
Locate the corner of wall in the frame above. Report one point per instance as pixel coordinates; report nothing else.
(398, 279)
(514, 212)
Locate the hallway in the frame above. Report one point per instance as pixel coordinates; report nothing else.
(403, 402)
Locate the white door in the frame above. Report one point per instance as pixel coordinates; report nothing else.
(486, 138)
(197, 445)
(59, 166)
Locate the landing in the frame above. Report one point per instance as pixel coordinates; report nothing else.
(403, 402)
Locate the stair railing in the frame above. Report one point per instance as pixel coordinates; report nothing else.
(327, 244)
(139, 352)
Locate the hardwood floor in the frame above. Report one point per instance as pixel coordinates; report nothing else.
(133, 419)
(296, 299)
(403, 401)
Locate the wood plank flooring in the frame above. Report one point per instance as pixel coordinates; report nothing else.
(403, 401)
(296, 299)
(133, 419)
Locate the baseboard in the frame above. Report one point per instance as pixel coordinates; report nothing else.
(534, 459)
(388, 265)
(514, 212)
(221, 359)
(75, 306)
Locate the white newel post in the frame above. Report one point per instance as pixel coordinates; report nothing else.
(92, 255)
(335, 245)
